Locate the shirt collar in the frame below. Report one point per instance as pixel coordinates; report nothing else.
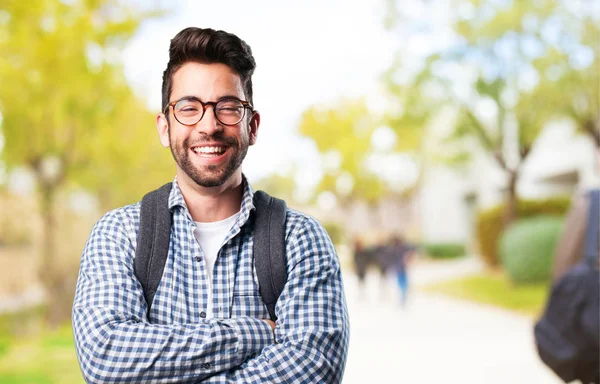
(176, 199)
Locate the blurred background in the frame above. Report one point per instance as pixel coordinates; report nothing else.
(467, 127)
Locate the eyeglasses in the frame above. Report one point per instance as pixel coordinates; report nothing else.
(190, 110)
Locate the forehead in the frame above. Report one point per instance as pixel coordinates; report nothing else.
(206, 81)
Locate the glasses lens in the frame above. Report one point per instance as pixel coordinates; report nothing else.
(230, 111)
(188, 111)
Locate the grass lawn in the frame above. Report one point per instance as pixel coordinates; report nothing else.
(47, 358)
(495, 289)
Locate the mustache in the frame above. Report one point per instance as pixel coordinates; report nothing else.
(217, 137)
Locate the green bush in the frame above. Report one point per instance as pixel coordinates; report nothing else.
(489, 223)
(526, 248)
(444, 250)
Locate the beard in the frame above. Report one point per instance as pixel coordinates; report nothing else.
(210, 175)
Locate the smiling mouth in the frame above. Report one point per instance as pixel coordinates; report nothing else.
(209, 151)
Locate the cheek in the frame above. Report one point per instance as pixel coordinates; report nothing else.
(244, 135)
(175, 137)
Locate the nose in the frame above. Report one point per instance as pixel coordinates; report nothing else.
(208, 124)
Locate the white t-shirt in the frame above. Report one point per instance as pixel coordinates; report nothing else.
(210, 236)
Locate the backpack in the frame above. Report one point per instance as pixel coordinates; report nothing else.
(568, 333)
(269, 244)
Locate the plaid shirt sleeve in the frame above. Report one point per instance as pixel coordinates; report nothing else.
(312, 331)
(115, 342)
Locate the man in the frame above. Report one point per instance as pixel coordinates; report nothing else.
(207, 322)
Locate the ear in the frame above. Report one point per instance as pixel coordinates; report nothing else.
(162, 125)
(253, 127)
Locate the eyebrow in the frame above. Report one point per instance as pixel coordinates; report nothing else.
(195, 98)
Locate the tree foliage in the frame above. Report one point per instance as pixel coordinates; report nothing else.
(64, 95)
(68, 113)
(555, 43)
(525, 63)
(342, 134)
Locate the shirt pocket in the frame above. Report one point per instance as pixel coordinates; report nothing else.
(250, 305)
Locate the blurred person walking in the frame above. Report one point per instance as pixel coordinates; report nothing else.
(376, 256)
(206, 321)
(402, 254)
(361, 260)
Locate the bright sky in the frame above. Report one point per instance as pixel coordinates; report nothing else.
(306, 52)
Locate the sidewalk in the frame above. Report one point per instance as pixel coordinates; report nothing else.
(436, 339)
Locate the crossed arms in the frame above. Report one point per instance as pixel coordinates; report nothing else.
(116, 343)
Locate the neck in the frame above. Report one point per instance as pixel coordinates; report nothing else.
(209, 204)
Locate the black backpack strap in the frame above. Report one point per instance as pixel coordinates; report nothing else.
(592, 241)
(153, 240)
(269, 248)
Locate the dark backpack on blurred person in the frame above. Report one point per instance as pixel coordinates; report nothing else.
(568, 334)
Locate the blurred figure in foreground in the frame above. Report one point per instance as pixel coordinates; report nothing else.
(568, 334)
(570, 247)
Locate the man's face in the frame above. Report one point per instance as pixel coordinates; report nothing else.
(208, 153)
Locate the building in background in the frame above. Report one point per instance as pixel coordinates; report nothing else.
(561, 163)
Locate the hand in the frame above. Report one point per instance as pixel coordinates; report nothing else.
(271, 323)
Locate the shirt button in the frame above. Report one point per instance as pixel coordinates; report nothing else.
(203, 315)
(198, 258)
(206, 365)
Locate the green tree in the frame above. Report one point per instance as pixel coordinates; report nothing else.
(530, 61)
(526, 117)
(411, 108)
(68, 112)
(557, 42)
(342, 134)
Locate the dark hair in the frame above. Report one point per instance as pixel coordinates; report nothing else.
(207, 46)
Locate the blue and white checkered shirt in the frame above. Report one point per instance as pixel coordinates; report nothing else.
(118, 342)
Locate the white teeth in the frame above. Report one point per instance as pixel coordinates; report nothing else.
(209, 149)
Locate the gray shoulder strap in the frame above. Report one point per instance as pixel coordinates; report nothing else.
(153, 240)
(269, 244)
(269, 248)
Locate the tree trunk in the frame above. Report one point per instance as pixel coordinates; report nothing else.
(57, 287)
(593, 130)
(48, 270)
(511, 210)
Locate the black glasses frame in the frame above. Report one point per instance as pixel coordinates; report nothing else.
(205, 104)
